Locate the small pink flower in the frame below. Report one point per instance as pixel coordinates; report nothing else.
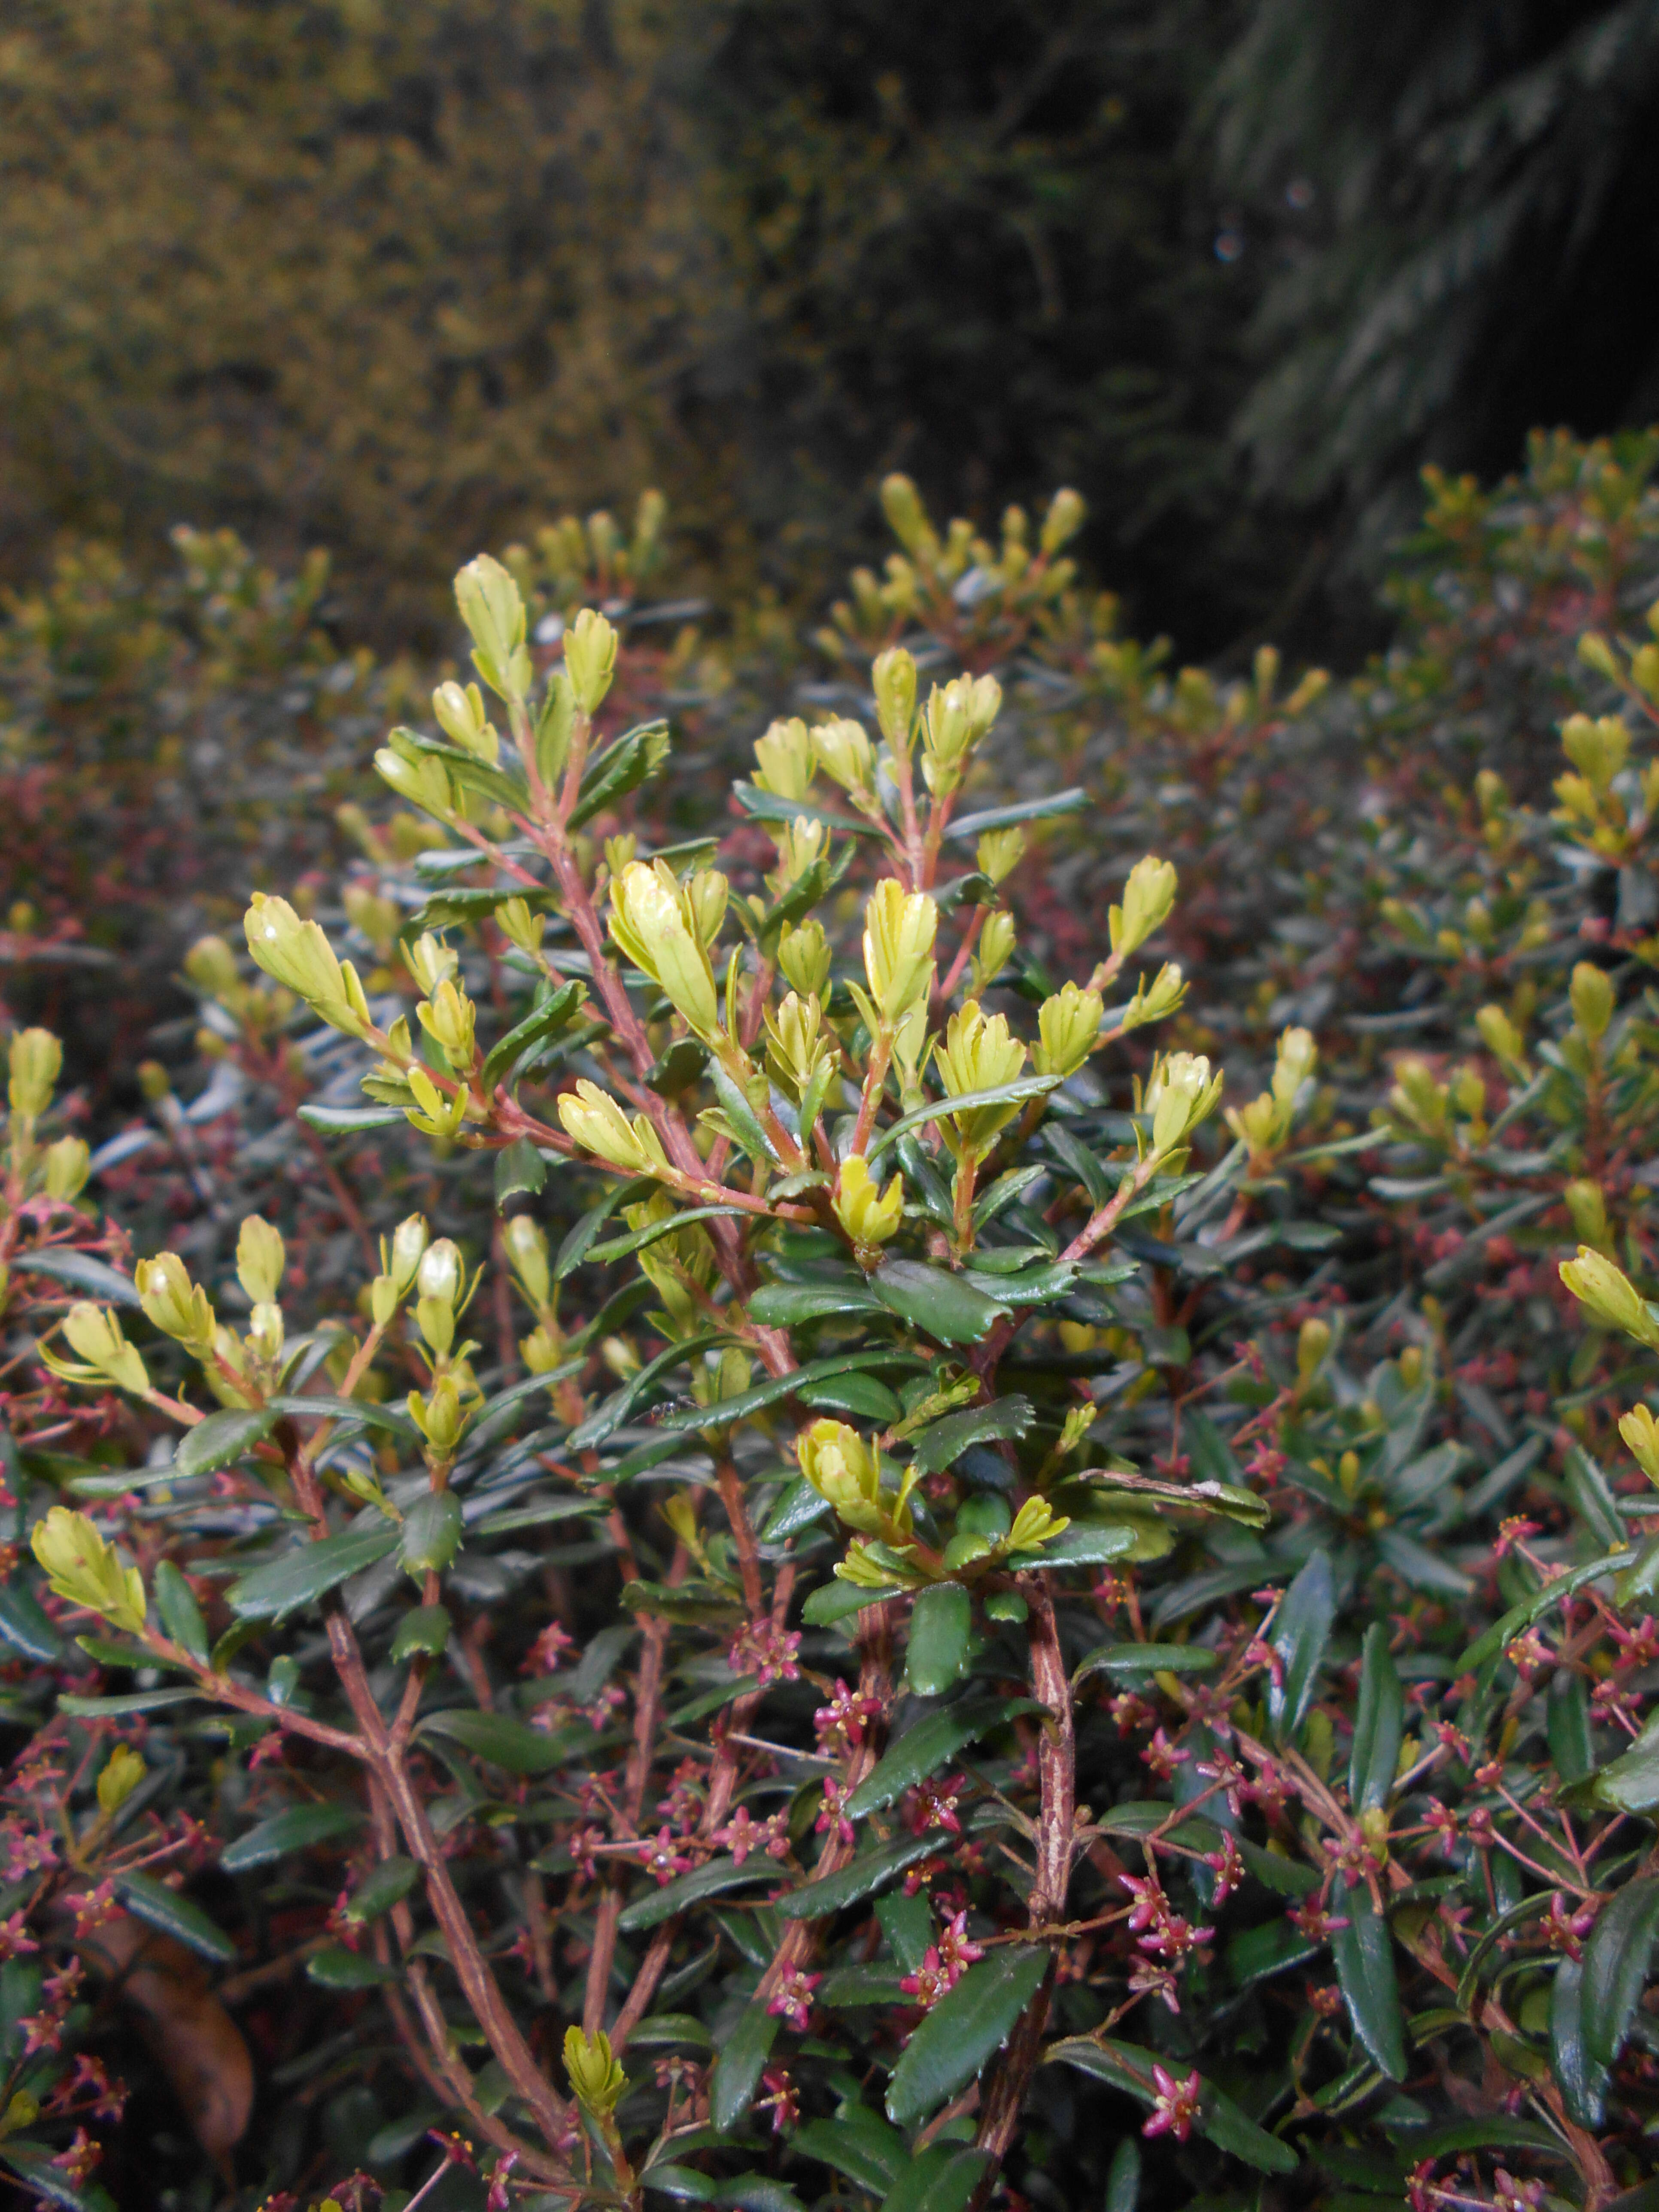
(549, 1648)
(831, 1815)
(1229, 1775)
(1148, 1979)
(1150, 1903)
(1227, 1867)
(15, 1938)
(1163, 1757)
(80, 2159)
(1315, 1921)
(1512, 1531)
(660, 1859)
(930, 1982)
(933, 1805)
(841, 1723)
(766, 1652)
(1130, 1712)
(784, 2100)
(794, 2001)
(957, 1952)
(1175, 2107)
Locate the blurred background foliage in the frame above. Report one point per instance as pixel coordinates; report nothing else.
(406, 280)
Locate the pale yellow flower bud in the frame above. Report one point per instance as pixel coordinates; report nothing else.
(298, 954)
(868, 1214)
(461, 715)
(423, 782)
(519, 924)
(211, 967)
(450, 1018)
(998, 935)
(893, 679)
(594, 1119)
(590, 658)
(493, 610)
(172, 1303)
(844, 753)
(526, 1249)
(1067, 1025)
(442, 1275)
(706, 896)
(899, 928)
(596, 2082)
(1181, 1092)
(1610, 1295)
(68, 1162)
(1587, 1208)
(649, 921)
(36, 1058)
(979, 1054)
(786, 759)
(1156, 999)
(1641, 1434)
(1597, 749)
(1592, 996)
(1502, 1040)
(408, 1241)
(797, 1045)
(803, 956)
(841, 1466)
(1147, 898)
(957, 715)
(260, 1258)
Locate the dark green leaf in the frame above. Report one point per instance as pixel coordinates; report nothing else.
(924, 1748)
(580, 1235)
(388, 1885)
(609, 1416)
(431, 1533)
(738, 2069)
(868, 1873)
(1568, 1708)
(42, 2179)
(520, 1172)
(963, 2032)
(425, 1629)
(943, 2179)
(834, 1601)
(797, 1506)
(940, 1620)
(1146, 1659)
(1581, 2081)
(1025, 810)
(24, 1625)
(392, 1421)
(1364, 1952)
(788, 1306)
(938, 1447)
(1423, 1568)
(711, 1880)
(1503, 1631)
(1301, 1628)
(858, 2144)
(180, 1615)
(1591, 1499)
(296, 1829)
(153, 1902)
(777, 1386)
(620, 768)
(79, 1270)
(948, 1310)
(555, 1013)
(337, 1968)
(1616, 1959)
(1378, 1724)
(1000, 1094)
(1630, 1783)
(496, 1737)
(862, 1395)
(1123, 2182)
(766, 806)
(1085, 1544)
(539, 1516)
(301, 1577)
(221, 1438)
(135, 1701)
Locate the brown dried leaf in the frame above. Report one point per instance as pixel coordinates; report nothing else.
(197, 2044)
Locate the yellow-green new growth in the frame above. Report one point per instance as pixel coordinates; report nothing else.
(596, 2081)
(85, 1571)
(1610, 1295)
(1147, 898)
(869, 1214)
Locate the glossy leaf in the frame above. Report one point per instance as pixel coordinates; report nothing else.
(152, 1901)
(1301, 1628)
(933, 1300)
(963, 2032)
(1144, 1660)
(1616, 1960)
(180, 1614)
(858, 2144)
(862, 1395)
(496, 1737)
(387, 1885)
(940, 1620)
(24, 1625)
(1379, 1725)
(924, 1748)
(544, 1021)
(789, 1306)
(737, 2070)
(711, 1880)
(1581, 2081)
(1567, 1708)
(938, 1446)
(1630, 1783)
(308, 1572)
(337, 1968)
(298, 1829)
(943, 2179)
(869, 1872)
(1128, 2067)
(221, 1439)
(1364, 1952)
(79, 1270)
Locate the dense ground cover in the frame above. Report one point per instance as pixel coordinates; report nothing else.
(875, 1491)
